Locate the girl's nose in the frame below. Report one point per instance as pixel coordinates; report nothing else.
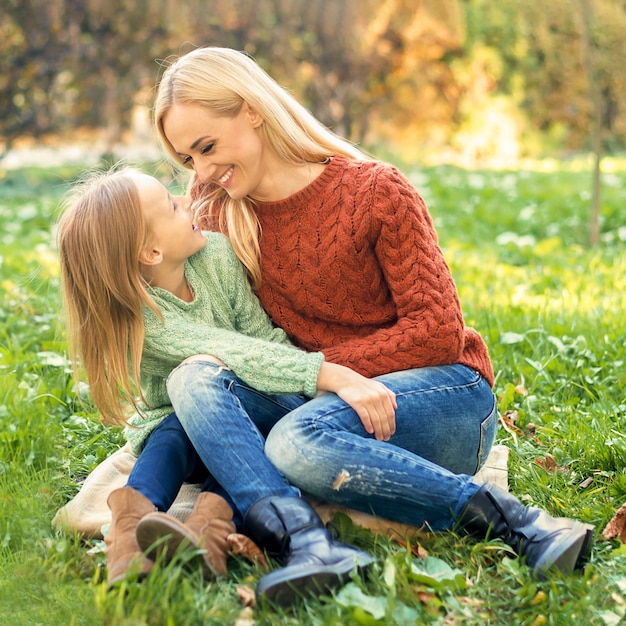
(185, 202)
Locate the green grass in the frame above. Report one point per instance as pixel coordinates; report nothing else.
(552, 311)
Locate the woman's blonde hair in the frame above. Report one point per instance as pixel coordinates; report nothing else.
(222, 79)
(100, 236)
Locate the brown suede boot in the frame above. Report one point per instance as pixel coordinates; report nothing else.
(207, 528)
(123, 552)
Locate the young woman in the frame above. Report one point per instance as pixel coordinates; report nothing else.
(343, 255)
(145, 289)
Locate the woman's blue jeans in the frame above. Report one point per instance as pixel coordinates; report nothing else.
(445, 426)
(446, 423)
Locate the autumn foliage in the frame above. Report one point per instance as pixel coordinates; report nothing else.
(413, 75)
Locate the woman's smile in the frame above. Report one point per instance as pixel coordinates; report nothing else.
(225, 178)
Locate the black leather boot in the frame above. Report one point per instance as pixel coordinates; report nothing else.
(546, 542)
(314, 561)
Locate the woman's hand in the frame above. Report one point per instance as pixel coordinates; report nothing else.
(374, 403)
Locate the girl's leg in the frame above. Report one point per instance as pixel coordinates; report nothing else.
(224, 434)
(209, 401)
(445, 426)
(167, 460)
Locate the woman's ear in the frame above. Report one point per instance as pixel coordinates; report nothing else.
(150, 256)
(254, 118)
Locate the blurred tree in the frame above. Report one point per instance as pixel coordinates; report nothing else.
(405, 74)
(539, 47)
(32, 51)
(116, 51)
(357, 64)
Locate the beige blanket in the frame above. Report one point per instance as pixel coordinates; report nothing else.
(88, 512)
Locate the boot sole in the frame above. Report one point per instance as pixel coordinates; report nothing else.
(566, 553)
(159, 533)
(585, 550)
(284, 586)
(135, 571)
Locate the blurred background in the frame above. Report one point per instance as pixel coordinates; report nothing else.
(474, 82)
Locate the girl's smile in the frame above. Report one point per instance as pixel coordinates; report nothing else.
(170, 221)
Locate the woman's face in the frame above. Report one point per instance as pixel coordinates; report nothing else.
(226, 151)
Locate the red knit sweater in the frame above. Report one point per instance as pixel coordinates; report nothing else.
(351, 266)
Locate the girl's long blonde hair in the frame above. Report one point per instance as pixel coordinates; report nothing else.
(222, 79)
(100, 236)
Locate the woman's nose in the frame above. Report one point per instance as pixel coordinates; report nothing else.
(204, 172)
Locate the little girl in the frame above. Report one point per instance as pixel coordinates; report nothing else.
(145, 290)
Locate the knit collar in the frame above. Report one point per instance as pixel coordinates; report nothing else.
(194, 281)
(311, 193)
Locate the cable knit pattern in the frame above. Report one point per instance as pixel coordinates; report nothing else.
(226, 320)
(351, 266)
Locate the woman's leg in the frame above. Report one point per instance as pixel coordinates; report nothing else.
(446, 415)
(445, 426)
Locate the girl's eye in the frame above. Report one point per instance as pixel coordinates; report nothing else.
(207, 148)
(186, 160)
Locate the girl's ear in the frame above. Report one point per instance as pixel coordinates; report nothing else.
(254, 118)
(150, 256)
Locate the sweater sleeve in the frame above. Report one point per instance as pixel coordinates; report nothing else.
(429, 328)
(267, 366)
(228, 322)
(250, 317)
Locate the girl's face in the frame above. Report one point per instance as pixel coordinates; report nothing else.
(226, 151)
(169, 219)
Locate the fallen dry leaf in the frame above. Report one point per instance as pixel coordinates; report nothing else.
(244, 546)
(246, 597)
(508, 421)
(550, 465)
(475, 602)
(540, 598)
(617, 526)
(413, 547)
(425, 597)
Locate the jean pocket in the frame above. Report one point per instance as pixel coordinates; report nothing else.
(488, 429)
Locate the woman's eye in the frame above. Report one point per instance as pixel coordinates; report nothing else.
(207, 148)
(186, 160)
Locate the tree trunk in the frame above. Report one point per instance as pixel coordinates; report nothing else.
(596, 125)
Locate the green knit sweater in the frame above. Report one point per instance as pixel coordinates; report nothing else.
(226, 320)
